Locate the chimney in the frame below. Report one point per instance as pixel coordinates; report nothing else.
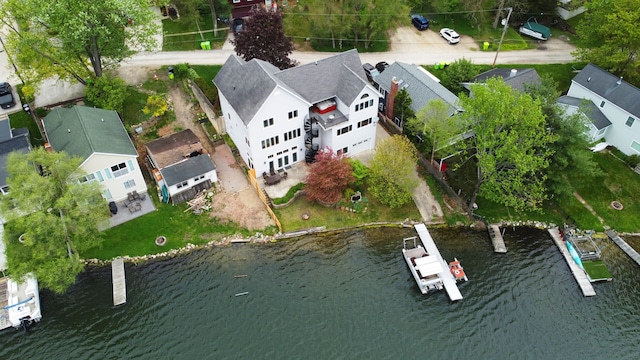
(391, 97)
(513, 73)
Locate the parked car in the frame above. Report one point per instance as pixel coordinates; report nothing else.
(382, 65)
(450, 35)
(420, 22)
(237, 26)
(6, 96)
(370, 71)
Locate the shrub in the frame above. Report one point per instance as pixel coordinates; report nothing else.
(156, 105)
(292, 191)
(632, 160)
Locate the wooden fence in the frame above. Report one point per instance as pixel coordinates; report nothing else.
(254, 182)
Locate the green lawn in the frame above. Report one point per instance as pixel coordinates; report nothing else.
(597, 270)
(184, 35)
(291, 216)
(23, 120)
(137, 237)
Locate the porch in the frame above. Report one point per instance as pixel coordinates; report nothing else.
(131, 209)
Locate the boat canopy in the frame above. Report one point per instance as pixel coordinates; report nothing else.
(428, 265)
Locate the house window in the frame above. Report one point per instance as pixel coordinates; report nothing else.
(129, 184)
(344, 130)
(247, 141)
(602, 104)
(236, 1)
(630, 121)
(270, 156)
(601, 131)
(4, 190)
(274, 140)
(267, 122)
(343, 150)
(182, 184)
(364, 122)
(635, 146)
(119, 170)
(87, 178)
(293, 114)
(291, 134)
(199, 178)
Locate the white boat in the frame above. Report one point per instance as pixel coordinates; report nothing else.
(23, 302)
(425, 268)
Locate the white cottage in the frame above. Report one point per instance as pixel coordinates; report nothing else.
(277, 118)
(99, 138)
(612, 105)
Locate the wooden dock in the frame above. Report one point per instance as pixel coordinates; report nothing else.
(119, 282)
(4, 301)
(578, 272)
(448, 281)
(496, 239)
(624, 246)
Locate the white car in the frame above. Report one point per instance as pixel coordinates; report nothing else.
(450, 35)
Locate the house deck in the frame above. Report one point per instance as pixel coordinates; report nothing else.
(124, 215)
(579, 274)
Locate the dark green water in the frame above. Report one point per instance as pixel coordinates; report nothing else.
(347, 296)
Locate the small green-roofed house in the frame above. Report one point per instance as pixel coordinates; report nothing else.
(99, 138)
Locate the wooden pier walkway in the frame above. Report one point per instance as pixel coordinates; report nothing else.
(4, 301)
(578, 273)
(496, 239)
(119, 282)
(624, 246)
(448, 281)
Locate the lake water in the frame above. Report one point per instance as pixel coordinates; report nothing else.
(343, 296)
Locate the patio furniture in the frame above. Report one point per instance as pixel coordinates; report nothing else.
(138, 206)
(273, 179)
(131, 208)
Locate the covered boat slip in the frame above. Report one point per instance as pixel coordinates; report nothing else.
(447, 279)
(578, 273)
(424, 268)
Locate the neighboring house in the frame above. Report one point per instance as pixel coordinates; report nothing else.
(242, 8)
(10, 140)
(181, 167)
(420, 84)
(277, 118)
(614, 107)
(99, 138)
(516, 78)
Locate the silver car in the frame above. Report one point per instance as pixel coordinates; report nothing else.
(450, 35)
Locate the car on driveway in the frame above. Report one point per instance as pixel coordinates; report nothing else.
(450, 35)
(370, 71)
(238, 26)
(420, 22)
(6, 96)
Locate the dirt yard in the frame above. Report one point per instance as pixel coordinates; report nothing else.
(243, 207)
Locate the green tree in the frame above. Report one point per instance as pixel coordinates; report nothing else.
(329, 175)
(435, 125)
(570, 149)
(608, 36)
(460, 71)
(360, 172)
(107, 92)
(511, 145)
(75, 39)
(402, 106)
(52, 214)
(263, 38)
(393, 177)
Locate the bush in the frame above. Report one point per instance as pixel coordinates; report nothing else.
(292, 191)
(209, 91)
(632, 160)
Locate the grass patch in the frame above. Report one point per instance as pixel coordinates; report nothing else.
(291, 216)
(132, 109)
(23, 120)
(181, 35)
(597, 270)
(292, 191)
(207, 72)
(137, 237)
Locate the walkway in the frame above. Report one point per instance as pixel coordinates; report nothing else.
(624, 246)
(496, 239)
(578, 272)
(119, 282)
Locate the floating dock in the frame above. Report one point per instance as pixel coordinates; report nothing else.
(447, 279)
(624, 246)
(496, 239)
(119, 282)
(578, 273)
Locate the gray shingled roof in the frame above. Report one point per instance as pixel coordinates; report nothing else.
(81, 131)
(517, 81)
(188, 169)
(610, 87)
(248, 84)
(420, 86)
(19, 143)
(589, 109)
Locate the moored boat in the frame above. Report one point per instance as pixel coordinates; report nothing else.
(23, 302)
(424, 268)
(457, 270)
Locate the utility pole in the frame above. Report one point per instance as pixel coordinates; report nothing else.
(504, 31)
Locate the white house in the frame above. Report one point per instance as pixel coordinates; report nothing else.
(277, 118)
(612, 104)
(181, 166)
(99, 138)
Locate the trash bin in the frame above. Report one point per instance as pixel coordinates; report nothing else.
(171, 74)
(207, 45)
(485, 46)
(203, 45)
(436, 66)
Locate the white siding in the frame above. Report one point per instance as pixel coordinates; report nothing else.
(211, 175)
(100, 165)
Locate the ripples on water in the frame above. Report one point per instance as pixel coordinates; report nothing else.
(343, 296)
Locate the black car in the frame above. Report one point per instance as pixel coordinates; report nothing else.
(6, 96)
(420, 22)
(382, 65)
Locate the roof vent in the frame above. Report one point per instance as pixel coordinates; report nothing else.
(69, 131)
(513, 72)
(589, 79)
(331, 117)
(619, 81)
(102, 119)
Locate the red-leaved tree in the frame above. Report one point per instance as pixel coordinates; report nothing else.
(328, 177)
(263, 38)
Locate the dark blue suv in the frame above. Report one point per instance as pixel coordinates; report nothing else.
(420, 22)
